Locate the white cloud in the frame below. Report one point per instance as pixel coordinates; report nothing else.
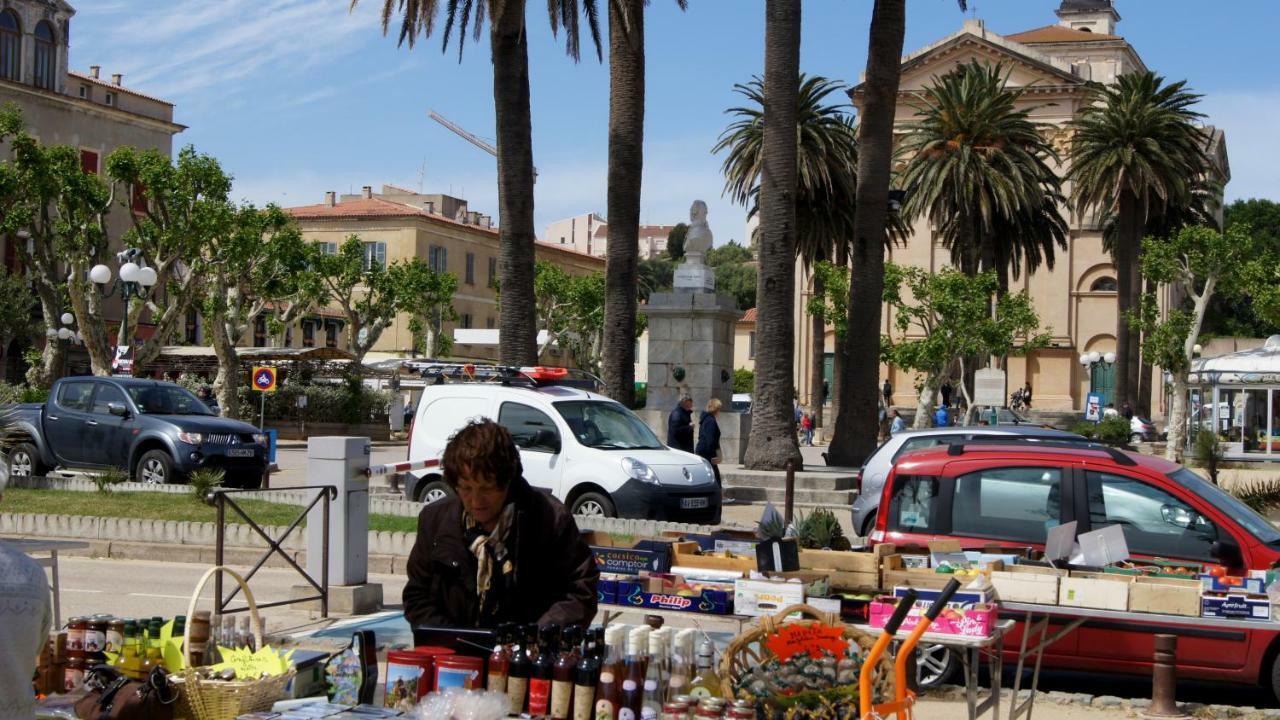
(1252, 144)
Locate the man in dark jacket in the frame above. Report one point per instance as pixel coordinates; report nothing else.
(497, 550)
(709, 436)
(680, 425)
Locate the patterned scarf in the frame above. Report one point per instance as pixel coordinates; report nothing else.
(490, 549)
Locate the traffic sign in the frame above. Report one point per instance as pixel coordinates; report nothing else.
(264, 379)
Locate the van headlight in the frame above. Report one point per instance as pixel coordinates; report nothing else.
(711, 470)
(260, 438)
(637, 470)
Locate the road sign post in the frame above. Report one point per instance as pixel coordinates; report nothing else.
(264, 381)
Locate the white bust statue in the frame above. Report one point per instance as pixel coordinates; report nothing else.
(698, 240)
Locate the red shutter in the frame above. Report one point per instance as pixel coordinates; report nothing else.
(89, 161)
(139, 199)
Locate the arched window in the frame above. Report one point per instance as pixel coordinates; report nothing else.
(46, 56)
(10, 42)
(1103, 284)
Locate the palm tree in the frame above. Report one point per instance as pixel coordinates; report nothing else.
(1136, 151)
(772, 443)
(827, 161)
(509, 47)
(626, 165)
(979, 170)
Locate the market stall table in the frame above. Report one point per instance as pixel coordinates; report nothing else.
(50, 561)
(707, 622)
(1039, 616)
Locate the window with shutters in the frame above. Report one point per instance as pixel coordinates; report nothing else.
(89, 161)
(260, 331)
(375, 255)
(751, 345)
(438, 258)
(490, 323)
(466, 321)
(10, 46)
(308, 333)
(328, 248)
(331, 334)
(138, 198)
(493, 272)
(471, 268)
(46, 56)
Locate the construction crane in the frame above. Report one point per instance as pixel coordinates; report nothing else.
(469, 137)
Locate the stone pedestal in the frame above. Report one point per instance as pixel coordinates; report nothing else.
(694, 277)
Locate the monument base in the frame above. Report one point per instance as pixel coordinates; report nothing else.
(690, 348)
(694, 278)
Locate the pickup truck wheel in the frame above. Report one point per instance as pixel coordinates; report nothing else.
(24, 461)
(593, 504)
(155, 468)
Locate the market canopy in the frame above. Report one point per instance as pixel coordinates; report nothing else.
(201, 357)
(1246, 367)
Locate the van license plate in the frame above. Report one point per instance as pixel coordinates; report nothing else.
(693, 503)
(240, 452)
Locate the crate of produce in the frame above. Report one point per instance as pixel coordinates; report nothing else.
(1236, 607)
(1158, 567)
(1095, 590)
(1170, 596)
(845, 561)
(896, 573)
(1020, 583)
(690, 554)
(976, 621)
(1233, 584)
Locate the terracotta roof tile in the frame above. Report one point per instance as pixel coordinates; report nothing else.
(117, 88)
(1058, 34)
(749, 316)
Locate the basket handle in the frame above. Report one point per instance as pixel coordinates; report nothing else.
(195, 598)
(770, 622)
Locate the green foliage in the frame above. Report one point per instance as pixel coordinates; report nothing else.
(571, 309)
(1114, 431)
(744, 380)
(983, 174)
(832, 305)
(641, 396)
(1208, 452)
(772, 525)
(430, 294)
(739, 282)
(731, 253)
(16, 304)
(943, 316)
(1261, 495)
(203, 480)
(107, 478)
(675, 241)
(656, 275)
(1085, 429)
(325, 403)
(13, 394)
(821, 530)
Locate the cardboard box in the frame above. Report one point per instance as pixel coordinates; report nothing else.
(1019, 583)
(851, 562)
(1165, 595)
(828, 605)
(1095, 590)
(660, 592)
(977, 621)
(1237, 585)
(686, 554)
(1236, 607)
(963, 598)
(629, 555)
(757, 598)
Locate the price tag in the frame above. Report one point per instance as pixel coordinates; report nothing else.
(251, 665)
(791, 640)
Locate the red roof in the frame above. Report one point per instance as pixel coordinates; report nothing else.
(1058, 34)
(749, 316)
(117, 88)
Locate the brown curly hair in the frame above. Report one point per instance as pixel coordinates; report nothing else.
(482, 448)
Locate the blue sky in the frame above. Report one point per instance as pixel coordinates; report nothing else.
(297, 97)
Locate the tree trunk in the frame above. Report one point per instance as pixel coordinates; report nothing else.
(857, 425)
(925, 405)
(1145, 380)
(227, 382)
(1177, 425)
(86, 303)
(510, 47)
(1128, 236)
(626, 163)
(818, 349)
(773, 431)
(54, 355)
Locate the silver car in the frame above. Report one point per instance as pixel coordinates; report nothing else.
(874, 472)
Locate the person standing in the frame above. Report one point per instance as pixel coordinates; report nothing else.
(946, 393)
(1127, 411)
(709, 436)
(806, 428)
(1026, 395)
(25, 619)
(942, 418)
(898, 423)
(680, 424)
(887, 393)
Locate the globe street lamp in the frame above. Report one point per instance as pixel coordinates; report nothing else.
(135, 279)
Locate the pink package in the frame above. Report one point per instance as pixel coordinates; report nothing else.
(974, 622)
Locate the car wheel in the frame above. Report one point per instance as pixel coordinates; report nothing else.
(593, 504)
(935, 665)
(435, 491)
(1135, 438)
(24, 461)
(155, 468)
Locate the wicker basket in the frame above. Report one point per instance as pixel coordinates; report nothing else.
(748, 650)
(226, 700)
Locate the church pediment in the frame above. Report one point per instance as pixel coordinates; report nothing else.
(1024, 66)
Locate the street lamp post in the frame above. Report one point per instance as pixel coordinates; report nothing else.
(135, 281)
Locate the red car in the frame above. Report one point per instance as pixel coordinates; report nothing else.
(1010, 495)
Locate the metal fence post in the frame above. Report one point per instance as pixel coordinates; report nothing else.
(790, 501)
(1164, 678)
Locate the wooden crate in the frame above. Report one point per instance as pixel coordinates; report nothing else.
(1095, 590)
(1030, 585)
(895, 574)
(851, 562)
(684, 554)
(1165, 595)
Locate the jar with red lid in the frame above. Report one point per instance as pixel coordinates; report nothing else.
(458, 671)
(411, 675)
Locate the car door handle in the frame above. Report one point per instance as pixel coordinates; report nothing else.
(91, 423)
(50, 417)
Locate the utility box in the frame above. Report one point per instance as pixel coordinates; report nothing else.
(342, 463)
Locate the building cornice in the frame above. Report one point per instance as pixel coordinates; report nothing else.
(85, 106)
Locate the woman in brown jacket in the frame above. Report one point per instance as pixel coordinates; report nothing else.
(497, 550)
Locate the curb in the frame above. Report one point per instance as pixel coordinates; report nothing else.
(1133, 706)
(205, 555)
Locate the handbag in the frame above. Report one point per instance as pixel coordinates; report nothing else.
(112, 696)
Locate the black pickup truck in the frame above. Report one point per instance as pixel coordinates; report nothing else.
(156, 431)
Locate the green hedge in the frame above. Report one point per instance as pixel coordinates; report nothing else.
(1112, 431)
(325, 403)
(10, 394)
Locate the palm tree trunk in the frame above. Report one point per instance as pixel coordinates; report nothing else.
(1128, 236)
(510, 49)
(817, 353)
(857, 425)
(773, 436)
(1144, 365)
(626, 164)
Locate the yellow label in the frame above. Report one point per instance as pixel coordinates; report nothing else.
(251, 665)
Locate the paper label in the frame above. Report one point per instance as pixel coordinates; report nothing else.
(539, 696)
(605, 710)
(813, 639)
(561, 697)
(250, 665)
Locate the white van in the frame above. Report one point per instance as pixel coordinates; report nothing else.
(589, 451)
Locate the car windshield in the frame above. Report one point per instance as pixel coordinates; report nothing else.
(607, 426)
(1257, 525)
(166, 400)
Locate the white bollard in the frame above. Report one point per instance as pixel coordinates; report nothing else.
(340, 462)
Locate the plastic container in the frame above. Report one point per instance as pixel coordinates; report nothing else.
(411, 675)
(459, 671)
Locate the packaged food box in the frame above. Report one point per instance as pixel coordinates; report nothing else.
(671, 593)
(1230, 584)
(757, 598)
(964, 598)
(629, 555)
(1236, 607)
(977, 621)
